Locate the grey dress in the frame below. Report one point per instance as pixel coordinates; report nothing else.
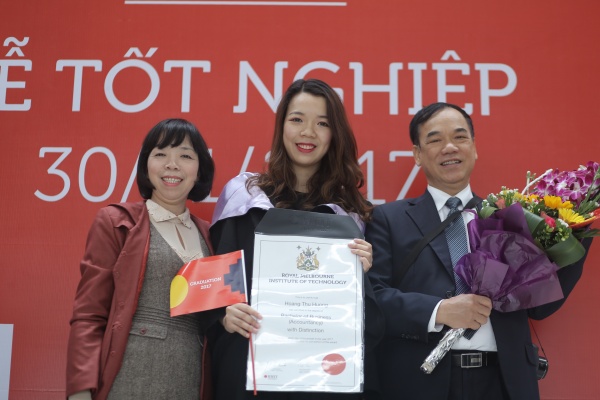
(163, 355)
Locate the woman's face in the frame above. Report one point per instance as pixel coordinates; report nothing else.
(306, 133)
(173, 172)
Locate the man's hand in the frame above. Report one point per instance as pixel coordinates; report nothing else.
(464, 311)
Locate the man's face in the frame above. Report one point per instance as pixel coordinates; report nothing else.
(446, 151)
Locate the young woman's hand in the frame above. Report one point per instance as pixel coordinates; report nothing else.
(364, 251)
(241, 318)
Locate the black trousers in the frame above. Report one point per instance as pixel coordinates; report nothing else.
(477, 384)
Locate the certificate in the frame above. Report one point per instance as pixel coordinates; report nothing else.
(309, 291)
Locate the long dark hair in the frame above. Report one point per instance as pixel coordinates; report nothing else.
(339, 177)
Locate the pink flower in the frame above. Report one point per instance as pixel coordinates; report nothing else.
(501, 203)
(549, 220)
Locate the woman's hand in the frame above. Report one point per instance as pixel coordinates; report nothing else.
(241, 318)
(364, 251)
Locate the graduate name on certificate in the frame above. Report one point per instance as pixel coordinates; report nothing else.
(310, 293)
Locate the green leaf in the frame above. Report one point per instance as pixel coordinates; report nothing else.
(566, 252)
(534, 222)
(487, 211)
(587, 233)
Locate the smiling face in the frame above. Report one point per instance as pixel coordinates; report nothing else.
(173, 172)
(306, 135)
(446, 151)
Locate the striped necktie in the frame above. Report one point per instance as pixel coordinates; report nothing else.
(456, 236)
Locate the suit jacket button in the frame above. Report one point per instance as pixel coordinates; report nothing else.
(449, 294)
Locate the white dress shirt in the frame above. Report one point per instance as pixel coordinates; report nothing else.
(484, 339)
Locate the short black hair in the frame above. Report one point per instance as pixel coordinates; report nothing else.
(172, 132)
(426, 113)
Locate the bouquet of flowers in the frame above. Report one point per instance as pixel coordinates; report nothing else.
(559, 206)
(520, 240)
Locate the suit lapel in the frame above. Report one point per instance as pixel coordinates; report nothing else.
(425, 215)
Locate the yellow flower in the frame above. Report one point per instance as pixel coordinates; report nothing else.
(552, 202)
(530, 198)
(555, 202)
(570, 216)
(567, 204)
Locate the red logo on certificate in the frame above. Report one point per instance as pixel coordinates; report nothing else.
(333, 364)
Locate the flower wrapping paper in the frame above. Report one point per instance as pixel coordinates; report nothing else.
(506, 265)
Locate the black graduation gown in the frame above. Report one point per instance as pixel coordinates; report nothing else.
(229, 352)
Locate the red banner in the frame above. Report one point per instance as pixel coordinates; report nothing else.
(82, 82)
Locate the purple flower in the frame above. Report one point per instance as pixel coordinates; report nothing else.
(569, 185)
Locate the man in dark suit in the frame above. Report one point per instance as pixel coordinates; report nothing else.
(499, 361)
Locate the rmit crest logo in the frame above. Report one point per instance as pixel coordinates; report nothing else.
(307, 259)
